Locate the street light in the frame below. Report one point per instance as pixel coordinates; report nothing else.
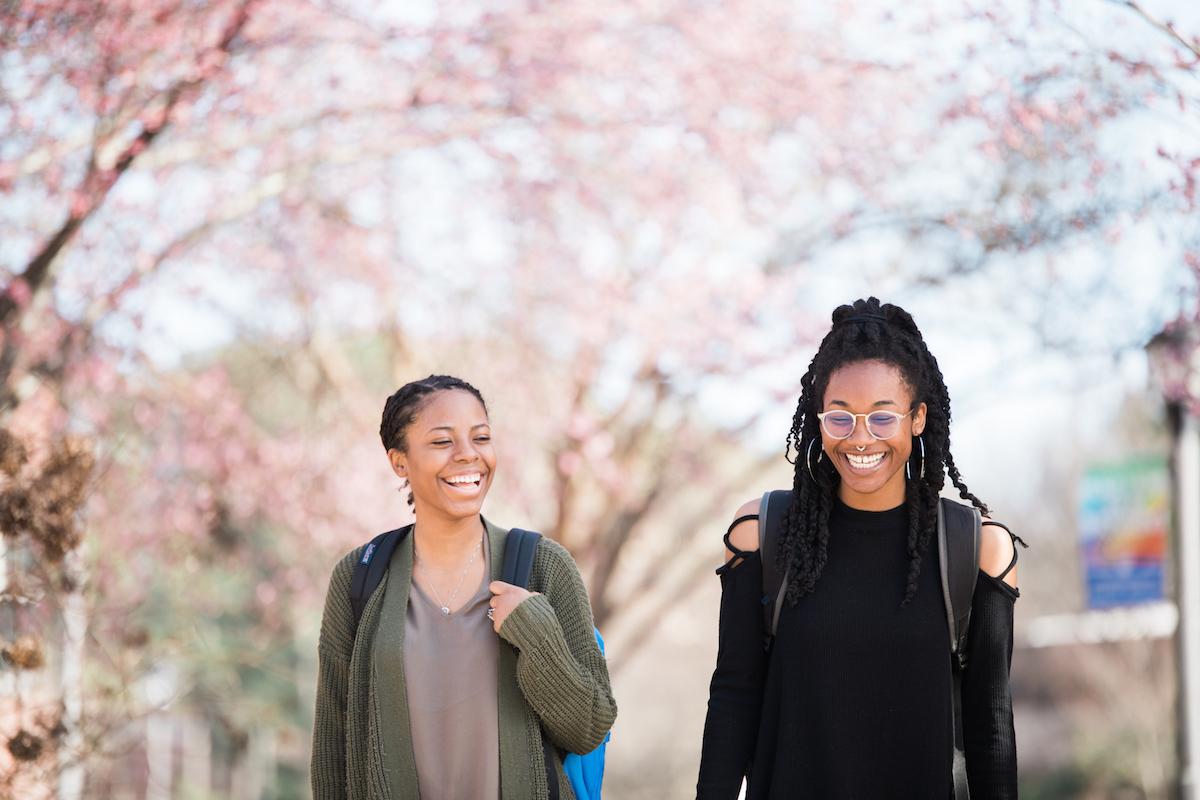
(1174, 355)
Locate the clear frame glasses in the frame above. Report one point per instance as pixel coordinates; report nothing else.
(839, 424)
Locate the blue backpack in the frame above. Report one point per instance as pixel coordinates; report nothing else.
(586, 772)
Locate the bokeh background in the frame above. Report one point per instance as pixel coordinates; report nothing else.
(229, 229)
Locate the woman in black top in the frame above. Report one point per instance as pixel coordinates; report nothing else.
(852, 701)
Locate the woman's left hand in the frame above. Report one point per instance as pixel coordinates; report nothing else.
(505, 597)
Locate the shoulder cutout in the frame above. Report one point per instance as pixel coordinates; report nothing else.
(997, 552)
(744, 535)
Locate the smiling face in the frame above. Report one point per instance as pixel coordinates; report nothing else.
(449, 460)
(872, 470)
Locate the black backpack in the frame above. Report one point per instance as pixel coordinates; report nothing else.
(958, 532)
(519, 549)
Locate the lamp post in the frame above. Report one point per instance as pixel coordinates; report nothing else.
(1174, 355)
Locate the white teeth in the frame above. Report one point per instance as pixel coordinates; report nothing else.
(473, 478)
(864, 461)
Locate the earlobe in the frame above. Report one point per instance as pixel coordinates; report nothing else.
(919, 420)
(399, 463)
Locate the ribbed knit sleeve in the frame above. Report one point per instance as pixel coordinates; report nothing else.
(988, 732)
(560, 668)
(735, 693)
(328, 767)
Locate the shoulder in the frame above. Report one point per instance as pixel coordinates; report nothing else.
(553, 553)
(343, 575)
(343, 571)
(553, 564)
(996, 552)
(337, 622)
(556, 574)
(744, 535)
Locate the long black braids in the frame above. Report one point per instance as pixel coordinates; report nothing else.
(406, 402)
(866, 330)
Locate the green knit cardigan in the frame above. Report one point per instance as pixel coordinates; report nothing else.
(552, 679)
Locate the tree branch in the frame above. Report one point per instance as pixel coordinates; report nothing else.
(1165, 27)
(97, 184)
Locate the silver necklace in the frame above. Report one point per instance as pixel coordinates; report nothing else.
(445, 607)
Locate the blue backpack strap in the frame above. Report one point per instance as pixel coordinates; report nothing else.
(519, 549)
(958, 529)
(371, 566)
(772, 515)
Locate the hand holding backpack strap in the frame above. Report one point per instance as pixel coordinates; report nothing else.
(584, 772)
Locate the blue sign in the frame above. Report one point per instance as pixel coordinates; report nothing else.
(1123, 520)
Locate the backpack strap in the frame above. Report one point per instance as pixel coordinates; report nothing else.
(772, 514)
(958, 528)
(371, 566)
(519, 549)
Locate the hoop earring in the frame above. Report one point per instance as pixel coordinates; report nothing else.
(808, 458)
(907, 470)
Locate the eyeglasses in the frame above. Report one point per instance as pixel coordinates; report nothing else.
(880, 424)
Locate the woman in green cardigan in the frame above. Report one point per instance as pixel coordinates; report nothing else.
(425, 700)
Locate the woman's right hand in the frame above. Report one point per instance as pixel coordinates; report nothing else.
(505, 598)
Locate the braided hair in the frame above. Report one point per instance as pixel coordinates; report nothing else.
(866, 330)
(406, 402)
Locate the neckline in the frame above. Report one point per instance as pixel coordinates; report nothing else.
(480, 591)
(870, 520)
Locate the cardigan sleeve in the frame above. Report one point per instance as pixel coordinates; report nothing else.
(327, 770)
(735, 693)
(560, 668)
(988, 733)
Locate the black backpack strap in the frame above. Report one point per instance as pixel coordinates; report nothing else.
(772, 514)
(371, 566)
(548, 761)
(519, 549)
(958, 556)
(958, 530)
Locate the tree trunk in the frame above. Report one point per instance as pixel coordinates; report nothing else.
(160, 745)
(197, 758)
(72, 778)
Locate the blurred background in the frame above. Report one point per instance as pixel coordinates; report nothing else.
(229, 229)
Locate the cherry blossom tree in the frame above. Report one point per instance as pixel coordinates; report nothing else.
(193, 149)
(233, 228)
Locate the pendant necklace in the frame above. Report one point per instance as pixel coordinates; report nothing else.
(445, 607)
